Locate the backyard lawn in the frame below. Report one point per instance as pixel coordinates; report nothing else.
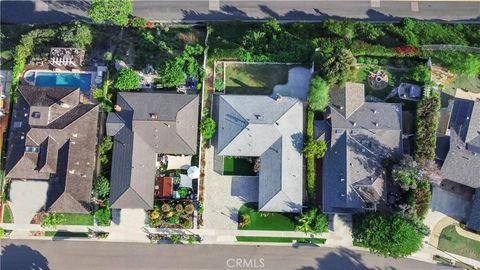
(78, 219)
(238, 166)
(394, 79)
(253, 79)
(452, 242)
(266, 221)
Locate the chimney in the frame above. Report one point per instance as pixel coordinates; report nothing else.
(117, 108)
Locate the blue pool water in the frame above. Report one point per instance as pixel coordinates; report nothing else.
(81, 80)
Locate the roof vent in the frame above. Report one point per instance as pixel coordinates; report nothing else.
(342, 194)
(354, 124)
(375, 123)
(342, 179)
(153, 116)
(259, 116)
(341, 107)
(278, 98)
(374, 111)
(117, 108)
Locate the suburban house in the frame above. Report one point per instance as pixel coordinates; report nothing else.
(53, 137)
(458, 148)
(271, 129)
(359, 136)
(144, 126)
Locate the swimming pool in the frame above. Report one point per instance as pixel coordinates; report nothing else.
(82, 80)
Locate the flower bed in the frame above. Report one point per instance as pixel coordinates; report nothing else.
(172, 214)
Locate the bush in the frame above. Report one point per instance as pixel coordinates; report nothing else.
(175, 238)
(103, 216)
(318, 94)
(102, 187)
(126, 80)
(218, 85)
(426, 127)
(245, 220)
(390, 236)
(172, 74)
(107, 56)
(2, 232)
(421, 74)
(138, 22)
(312, 221)
(52, 220)
(183, 192)
(104, 148)
(207, 128)
(315, 149)
(166, 207)
(189, 209)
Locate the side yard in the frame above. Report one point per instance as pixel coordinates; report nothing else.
(451, 241)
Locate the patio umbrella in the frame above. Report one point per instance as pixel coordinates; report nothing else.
(193, 172)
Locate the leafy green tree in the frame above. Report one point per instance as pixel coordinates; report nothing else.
(126, 80)
(102, 187)
(114, 11)
(171, 73)
(105, 101)
(315, 148)
(420, 74)
(407, 173)
(105, 146)
(340, 67)
(76, 35)
(207, 128)
(138, 22)
(318, 97)
(428, 113)
(52, 220)
(312, 221)
(387, 235)
(103, 216)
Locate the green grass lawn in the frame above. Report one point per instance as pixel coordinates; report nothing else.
(253, 79)
(281, 239)
(266, 221)
(6, 215)
(237, 166)
(394, 79)
(65, 234)
(452, 242)
(77, 219)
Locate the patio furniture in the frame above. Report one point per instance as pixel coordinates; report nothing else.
(193, 172)
(185, 181)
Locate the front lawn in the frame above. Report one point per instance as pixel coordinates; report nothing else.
(266, 221)
(254, 79)
(6, 215)
(77, 219)
(281, 239)
(238, 166)
(452, 242)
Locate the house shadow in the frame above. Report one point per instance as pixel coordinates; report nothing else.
(57, 12)
(245, 188)
(22, 257)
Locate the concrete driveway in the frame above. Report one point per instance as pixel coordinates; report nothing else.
(298, 84)
(450, 204)
(27, 198)
(224, 195)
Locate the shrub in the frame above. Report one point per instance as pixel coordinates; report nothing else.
(172, 74)
(105, 101)
(387, 235)
(102, 187)
(421, 74)
(245, 220)
(154, 215)
(318, 94)
(107, 56)
(315, 149)
(114, 11)
(187, 224)
(104, 148)
(426, 127)
(312, 221)
(2, 232)
(52, 220)
(179, 207)
(103, 216)
(189, 209)
(173, 220)
(126, 80)
(183, 192)
(207, 128)
(175, 238)
(138, 22)
(166, 207)
(218, 85)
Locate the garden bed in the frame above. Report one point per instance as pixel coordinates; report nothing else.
(259, 239)
(66, 234)
(238, 166)
(266, 221)
(172, 214)
(451, 241)
(77, 219)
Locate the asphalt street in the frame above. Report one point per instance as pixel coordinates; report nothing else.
(65, 255)
(43, 11)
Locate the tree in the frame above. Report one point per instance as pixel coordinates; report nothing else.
(312, 221)
(407, 173)
(114, 11)
(102, 187)
(420, 74)
(127, 79)
(318, 95)
(103, 216)
(76, 35)
(340, 67)
(315, 148)
(387, 235)
(171, 73)
(103, 149)
(207, 128)
(52, 220)
(428, 113)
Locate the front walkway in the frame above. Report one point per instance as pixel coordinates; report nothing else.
(224, 195)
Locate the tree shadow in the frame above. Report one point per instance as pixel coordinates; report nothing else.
(297, 141)
(22, 257)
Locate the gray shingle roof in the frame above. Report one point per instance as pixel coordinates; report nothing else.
(60, 150)
(462, 162)
(148, 124)
(473, 221)
(359, 143)
(260, 126)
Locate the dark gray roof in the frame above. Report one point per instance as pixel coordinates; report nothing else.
(473, 221)
(59, 149)
(359, 143)
(462, 163)
(260, 126)
(148, 124)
